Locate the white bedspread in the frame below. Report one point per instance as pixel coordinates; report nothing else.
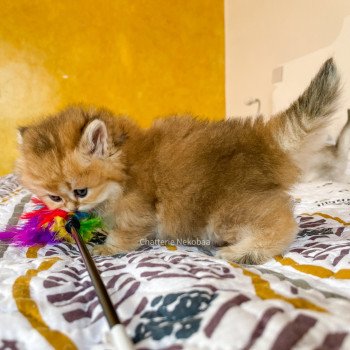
(172, 297)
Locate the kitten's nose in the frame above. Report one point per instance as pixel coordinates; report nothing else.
(71, 206)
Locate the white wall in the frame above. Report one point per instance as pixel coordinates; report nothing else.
(263, 34)
(298, 73)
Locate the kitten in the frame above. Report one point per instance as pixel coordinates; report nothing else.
(182, 178)
(330, 162)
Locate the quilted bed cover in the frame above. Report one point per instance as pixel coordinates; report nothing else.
(181, 297)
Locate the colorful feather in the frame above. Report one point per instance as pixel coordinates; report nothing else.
(45, 226)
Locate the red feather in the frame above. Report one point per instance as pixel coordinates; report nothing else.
(45, 215)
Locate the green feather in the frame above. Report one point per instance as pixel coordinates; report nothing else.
(89, 226)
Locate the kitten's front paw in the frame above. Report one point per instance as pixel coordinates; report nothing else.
(104, 249)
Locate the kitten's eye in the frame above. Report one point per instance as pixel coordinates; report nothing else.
(55, 198)
(81, 192)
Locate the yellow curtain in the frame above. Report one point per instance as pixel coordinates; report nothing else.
(142, 58)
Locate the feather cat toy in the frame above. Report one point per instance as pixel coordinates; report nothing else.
(45, 226)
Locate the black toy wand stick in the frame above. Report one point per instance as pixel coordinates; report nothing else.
(117, 337)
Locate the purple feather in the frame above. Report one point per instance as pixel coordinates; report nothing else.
(8, 235)
(28, 234)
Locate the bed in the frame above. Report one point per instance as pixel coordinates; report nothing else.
(181, 297)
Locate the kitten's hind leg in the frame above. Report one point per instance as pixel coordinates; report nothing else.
(258, 247)
(264, 235)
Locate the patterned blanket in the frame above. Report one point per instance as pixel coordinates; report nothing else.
(181, 297)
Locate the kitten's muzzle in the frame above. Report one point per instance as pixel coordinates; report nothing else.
(72, 206)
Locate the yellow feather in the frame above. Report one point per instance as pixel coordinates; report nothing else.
(59, 228)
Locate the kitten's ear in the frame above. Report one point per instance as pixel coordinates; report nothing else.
(20, 132)
(95, 139)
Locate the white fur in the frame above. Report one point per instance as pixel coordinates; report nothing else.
(94, 139)
(112, 190)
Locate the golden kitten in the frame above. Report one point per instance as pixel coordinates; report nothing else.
(226, 181)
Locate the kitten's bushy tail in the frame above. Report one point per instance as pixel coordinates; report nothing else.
(311, 112)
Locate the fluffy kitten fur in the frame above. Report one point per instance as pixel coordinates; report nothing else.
(182, 177)
(331, 161)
